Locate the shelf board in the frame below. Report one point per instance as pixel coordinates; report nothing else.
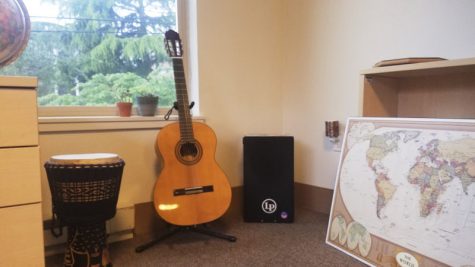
(423, 69)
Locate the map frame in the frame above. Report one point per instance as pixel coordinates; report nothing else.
(381, 252)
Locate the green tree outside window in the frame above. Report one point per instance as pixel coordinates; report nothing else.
(95, 49)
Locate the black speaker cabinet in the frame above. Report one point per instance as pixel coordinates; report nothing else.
(268, 178)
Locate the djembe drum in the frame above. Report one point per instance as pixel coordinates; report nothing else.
(84, 190)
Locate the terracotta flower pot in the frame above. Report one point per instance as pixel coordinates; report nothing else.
(124, 108)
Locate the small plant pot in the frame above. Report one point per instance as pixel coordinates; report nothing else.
(146, 105)
(124, 108)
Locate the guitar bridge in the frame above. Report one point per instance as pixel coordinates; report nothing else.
(193, 190)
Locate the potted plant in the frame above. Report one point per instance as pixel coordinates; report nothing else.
(146, 101)
(124, 102)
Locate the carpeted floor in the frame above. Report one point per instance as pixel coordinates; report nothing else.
(301, 243)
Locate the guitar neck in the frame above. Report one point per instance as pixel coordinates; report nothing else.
(184, 115)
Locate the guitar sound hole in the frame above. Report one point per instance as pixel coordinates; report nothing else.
(189, 152)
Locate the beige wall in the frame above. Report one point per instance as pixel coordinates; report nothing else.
(240, 93)
(286, 66)
(136, 147)
(283, 67)
(240, 59)
(327, 44)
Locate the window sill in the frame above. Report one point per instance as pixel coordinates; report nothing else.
(103, 123)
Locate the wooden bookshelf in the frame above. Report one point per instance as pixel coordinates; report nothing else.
(439, 89)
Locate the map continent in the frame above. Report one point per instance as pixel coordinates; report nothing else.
(413, 186)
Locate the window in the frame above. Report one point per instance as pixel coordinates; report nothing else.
(96, 52)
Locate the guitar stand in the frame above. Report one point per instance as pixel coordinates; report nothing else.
(193, 228)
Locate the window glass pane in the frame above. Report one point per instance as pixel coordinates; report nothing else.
(98, 52)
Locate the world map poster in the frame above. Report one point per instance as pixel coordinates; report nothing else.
(406, 186)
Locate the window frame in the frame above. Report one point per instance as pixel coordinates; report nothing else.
(101, 111)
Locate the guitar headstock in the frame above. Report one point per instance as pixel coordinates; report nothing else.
(173, 44)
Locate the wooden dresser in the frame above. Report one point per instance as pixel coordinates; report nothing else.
(21, 234)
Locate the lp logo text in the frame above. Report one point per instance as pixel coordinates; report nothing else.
(269, 205)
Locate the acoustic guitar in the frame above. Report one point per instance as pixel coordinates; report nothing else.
(191, 188)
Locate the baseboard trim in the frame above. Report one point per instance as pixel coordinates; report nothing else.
(309, 197)
(147, 223)
(313, 198)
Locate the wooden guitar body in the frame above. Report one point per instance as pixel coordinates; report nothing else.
(191, 188)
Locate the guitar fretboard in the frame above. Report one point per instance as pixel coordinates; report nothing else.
(184, 115)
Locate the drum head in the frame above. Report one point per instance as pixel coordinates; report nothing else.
(85, 159)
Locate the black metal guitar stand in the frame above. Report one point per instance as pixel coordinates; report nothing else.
(201, 229)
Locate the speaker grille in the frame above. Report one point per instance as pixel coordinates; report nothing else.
(268, 178)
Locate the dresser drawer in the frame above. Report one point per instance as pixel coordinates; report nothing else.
(21, 236)
(18, 117)
(19, 176)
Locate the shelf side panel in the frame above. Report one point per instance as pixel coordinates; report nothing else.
(380, 97)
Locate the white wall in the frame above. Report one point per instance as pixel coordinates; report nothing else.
(327, 44)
